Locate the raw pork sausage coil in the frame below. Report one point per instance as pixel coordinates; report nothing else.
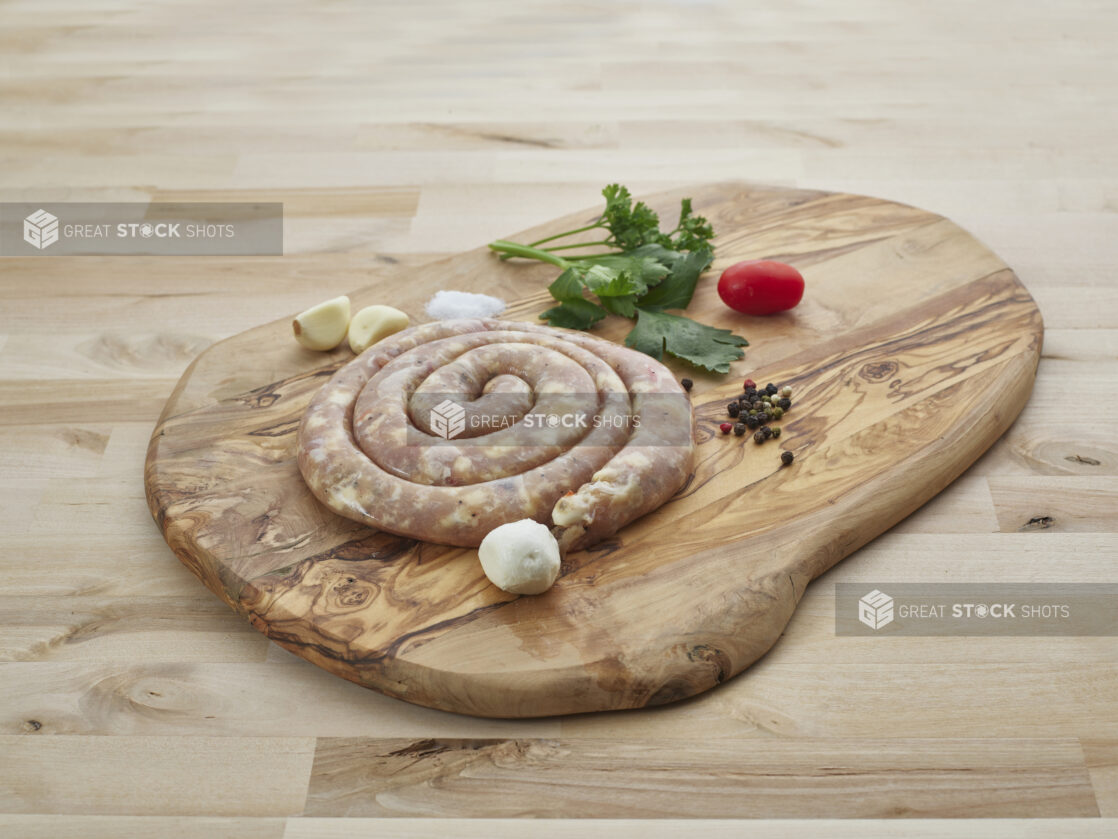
(444, 431)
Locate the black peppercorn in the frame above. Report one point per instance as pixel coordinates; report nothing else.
(764, 417)
(768, 432)
(733, 409)
(739, 428)
(785, 403)
(752, 421)
(758, 438)
(786, 458)
(770, 389)
(687, 384)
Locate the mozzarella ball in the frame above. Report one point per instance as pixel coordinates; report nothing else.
(521, 557)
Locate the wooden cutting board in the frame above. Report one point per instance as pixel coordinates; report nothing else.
(913, 350)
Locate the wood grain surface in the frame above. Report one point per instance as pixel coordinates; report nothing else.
(915, 349)
(407, 132)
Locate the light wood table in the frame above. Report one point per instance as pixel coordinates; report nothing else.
(135, 704)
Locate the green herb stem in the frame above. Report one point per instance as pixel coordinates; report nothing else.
(503, 246)
(593, 226)
(577, 256)
(577, 245)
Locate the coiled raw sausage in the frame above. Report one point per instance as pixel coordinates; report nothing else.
(444, 431)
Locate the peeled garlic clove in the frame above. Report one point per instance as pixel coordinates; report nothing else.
(521, 557)
(323, 327)
(373, 323)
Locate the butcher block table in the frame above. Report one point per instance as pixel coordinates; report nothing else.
(136, 703)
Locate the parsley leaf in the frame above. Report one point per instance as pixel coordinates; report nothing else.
(694, 231)
(625, 306)
(574, 311)
(629, 225)
(644, 272)
(567, 286)
(677, 289)
(703, 346)
(611, 282)
(645, 269)
(574, 314)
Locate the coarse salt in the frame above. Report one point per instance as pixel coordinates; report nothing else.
(446, 305)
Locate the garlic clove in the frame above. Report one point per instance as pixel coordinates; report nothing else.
(323, 327)
(372, 324)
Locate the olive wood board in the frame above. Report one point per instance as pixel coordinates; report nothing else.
(913, 350)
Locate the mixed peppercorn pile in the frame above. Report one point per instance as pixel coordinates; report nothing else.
(755, 409)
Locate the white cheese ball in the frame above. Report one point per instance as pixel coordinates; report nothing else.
(521, 557)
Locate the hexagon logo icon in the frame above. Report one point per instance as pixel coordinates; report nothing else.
(448, 419)
(875, 609)
(40, 229)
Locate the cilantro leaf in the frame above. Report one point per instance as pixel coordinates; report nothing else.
(701, 345)
(676, 291)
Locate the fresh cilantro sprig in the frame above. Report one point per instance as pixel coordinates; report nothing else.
(643, 272)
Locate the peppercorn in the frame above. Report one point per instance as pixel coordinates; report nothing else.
(687, 384)
(786, 390)
(785, 403)
(750, 383)
(770, 388)
(768, 432)
(778, 412)
(776, 431)
(764, 416)
(725, 428)
(786, 457)
(766, 399)
(739, 428)
(752, 412)
(758, 404)
(752, 421)
(733, 409)
(758, 438)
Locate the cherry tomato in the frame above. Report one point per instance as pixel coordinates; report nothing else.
(761, 287)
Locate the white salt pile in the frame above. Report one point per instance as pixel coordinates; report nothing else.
(463, 304)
